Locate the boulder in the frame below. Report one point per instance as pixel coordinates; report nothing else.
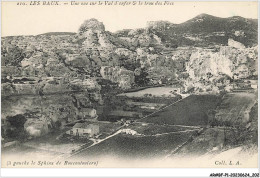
(35, 127)
(235, 44)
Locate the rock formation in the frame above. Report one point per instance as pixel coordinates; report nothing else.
(49, 78)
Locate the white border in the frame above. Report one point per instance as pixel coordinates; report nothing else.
(128, 172)
(120, 172)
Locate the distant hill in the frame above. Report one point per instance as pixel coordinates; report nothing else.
(205, 23)
(204, 30)
(59, 33)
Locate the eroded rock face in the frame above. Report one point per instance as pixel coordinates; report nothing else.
(47, 112)
(208, 70)
(48, 103)
(235, 44)
(36, 127)
(125, 78)
(203, 62)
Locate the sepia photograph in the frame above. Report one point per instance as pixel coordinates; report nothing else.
(129, 84)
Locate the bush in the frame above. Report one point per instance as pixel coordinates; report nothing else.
(17, 121)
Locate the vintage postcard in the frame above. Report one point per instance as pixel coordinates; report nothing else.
(129, 84)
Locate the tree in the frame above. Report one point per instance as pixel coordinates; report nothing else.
(13, 57)
(211, 118)
(142, 79)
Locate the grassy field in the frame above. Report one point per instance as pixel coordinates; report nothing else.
(239, 109)
(192, 111)
(135, 147)
(204, 143)
(235, 107)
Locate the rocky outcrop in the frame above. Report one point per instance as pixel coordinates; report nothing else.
(91, 24)
(206, 67)
(48, 112)
(123, 77)
(203, 62)
(58, 73)
(36, 128)
(235, 44)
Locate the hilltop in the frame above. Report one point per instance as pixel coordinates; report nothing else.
(205, 29)
(59, 33)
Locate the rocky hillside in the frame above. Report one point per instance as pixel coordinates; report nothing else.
(158, 52)
(205, 53)
(204, 30)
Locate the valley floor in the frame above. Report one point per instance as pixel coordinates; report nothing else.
(176, 131)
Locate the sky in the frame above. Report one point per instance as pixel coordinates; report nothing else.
(34, 20)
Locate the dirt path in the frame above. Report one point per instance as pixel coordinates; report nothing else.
(182, 131)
